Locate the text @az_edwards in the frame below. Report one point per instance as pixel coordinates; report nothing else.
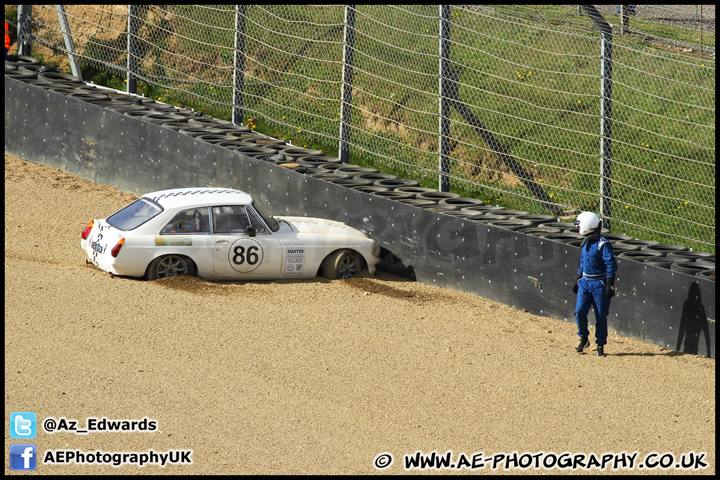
(94, 424)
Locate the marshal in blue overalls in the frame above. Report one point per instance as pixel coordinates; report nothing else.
(595, 285)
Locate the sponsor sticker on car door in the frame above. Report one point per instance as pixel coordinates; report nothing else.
(294, 260)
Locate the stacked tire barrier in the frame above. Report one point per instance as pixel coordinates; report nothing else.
(523, 260)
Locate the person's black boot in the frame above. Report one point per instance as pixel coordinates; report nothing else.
(584, 343)
(601, 351)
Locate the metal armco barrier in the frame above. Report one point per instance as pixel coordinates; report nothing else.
(654, 304)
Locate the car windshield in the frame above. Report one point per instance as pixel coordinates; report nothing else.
(269, 221)
(135, 214)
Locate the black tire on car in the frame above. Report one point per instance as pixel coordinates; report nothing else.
(169, 266)
(342, 264)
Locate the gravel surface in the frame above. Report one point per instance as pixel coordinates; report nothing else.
(310, 377)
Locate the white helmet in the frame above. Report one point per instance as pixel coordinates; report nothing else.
(587, 222)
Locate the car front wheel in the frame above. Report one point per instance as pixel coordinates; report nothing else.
(169, 266)
(342, 264)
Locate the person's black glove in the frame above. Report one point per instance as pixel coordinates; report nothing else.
(575, 285)
(610, 287)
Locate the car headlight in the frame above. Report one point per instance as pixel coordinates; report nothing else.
(375, 248)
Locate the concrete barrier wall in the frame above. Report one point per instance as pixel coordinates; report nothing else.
(674, 310)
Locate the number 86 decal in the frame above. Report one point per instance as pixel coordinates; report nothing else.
(245, 255)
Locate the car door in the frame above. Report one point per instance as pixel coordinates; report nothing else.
(236, 253)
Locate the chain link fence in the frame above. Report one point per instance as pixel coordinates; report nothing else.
(518, 121)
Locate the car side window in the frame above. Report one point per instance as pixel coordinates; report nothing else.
(193, 220)
(255, 222)
(230, 219)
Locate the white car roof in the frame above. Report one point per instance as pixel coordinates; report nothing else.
(190, 197)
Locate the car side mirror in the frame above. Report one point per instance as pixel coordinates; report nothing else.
(251, 231)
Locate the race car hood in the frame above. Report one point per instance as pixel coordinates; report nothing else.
(321, 226)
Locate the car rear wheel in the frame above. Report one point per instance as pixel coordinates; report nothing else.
(169, 266)
(342, 264)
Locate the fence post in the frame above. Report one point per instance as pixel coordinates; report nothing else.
(347, 83)
(24, 30)
(444, 122)
(606, 128)
(239, 67)
(605, 112)
(624, 19)
(69, 44)
(132, 48)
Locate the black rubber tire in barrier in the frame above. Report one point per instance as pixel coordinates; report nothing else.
(457, 214)
(436, 196)
(688, 256)
(267, 142)
(318, 160)
(174, 125)
(331, 167)
(532, 230)
(256, 152)
(354, 170)
(233, 144)
(616, 237)
(708, 274)
(511, 213)
(125, 108)
(640, 243)
(414, 189)
(342, 264)
(296, 152)
(29, 69)
(441, 208)
(12, 69)
(212, 138)
(59, 78)
(511, 224)
(393, 195)
(690, 268)
(195, 132)
(461, 202)
(575, 243)
(87, 97)
(60, 90)
(708, 262)
(621, 247)
(664, 248)
(211, 121)
(22, 60)
(370, 189)
(661, 262)
(158, 118)
(536, 219)
(417, 203)
(375, 176)
(322, 175)
(484, 217)
(482, 209)
(21, 76)
(240, 135)
(351, 182)
(563, 237)
(638, 255)
(139, 113)
(397, 183)
(560, 225)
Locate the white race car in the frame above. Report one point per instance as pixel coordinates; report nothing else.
(222, 234)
